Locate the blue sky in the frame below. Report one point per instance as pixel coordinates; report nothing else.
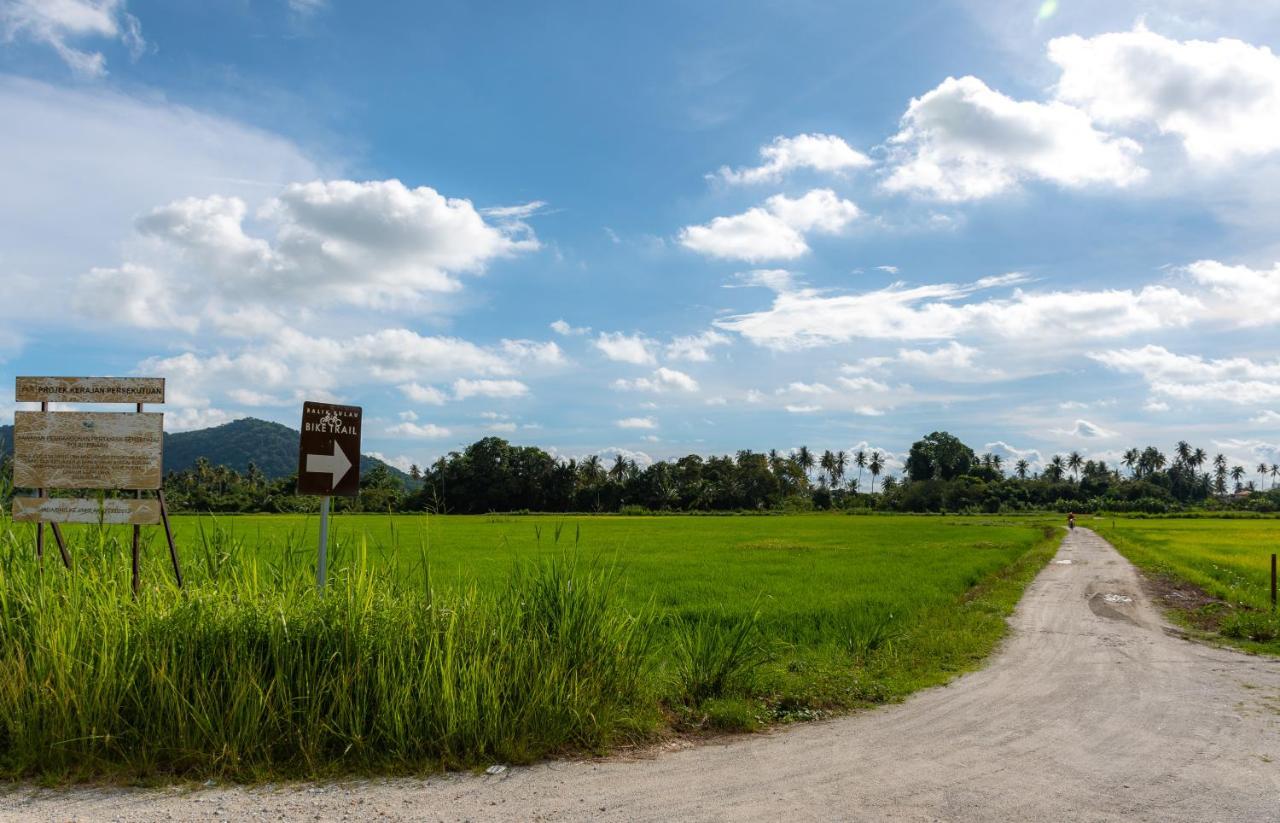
(661, 229)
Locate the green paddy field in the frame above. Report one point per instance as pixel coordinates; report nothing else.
(459, 641)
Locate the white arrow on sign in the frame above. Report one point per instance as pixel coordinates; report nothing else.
(335, 464)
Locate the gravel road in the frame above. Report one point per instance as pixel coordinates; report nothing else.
(1092, 710)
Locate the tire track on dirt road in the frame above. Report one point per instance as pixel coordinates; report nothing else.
(1092, 710)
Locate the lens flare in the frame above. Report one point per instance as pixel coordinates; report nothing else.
(1047, 9)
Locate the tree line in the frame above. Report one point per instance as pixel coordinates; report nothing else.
(941, 474)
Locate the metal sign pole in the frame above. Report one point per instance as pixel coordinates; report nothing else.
(321, 565)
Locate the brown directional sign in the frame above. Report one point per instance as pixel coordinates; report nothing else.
(87, 450)
(329, 451)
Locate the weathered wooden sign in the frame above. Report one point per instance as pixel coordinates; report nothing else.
(329, 450)
(121, 512)
(79, 450)
(90, 390)
(88, 450)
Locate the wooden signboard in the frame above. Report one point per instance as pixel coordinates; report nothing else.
(329, 450)
(123, 512)
(90, 390)
(88, 450)
(91, 450)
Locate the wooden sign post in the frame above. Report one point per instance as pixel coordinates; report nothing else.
(328, 463)
(91, 450)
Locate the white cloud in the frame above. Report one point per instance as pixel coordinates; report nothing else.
(805, 388)
(819, 152)
(1220, 98)
(887, 269)
(58, 23)
(663, 379)
(505, 389)
(563, 328)
(408, 415)
(775, 231)
(374, 243)
(533, 352)
(1249, 297)
(807, 318)
(965, 141)
(189, 418)
(626, 348)
(953, 362)
(1267, 418)
(428, 395)
(863, 384)
(773, 279)
(636, 423)
(1192, 378)
(424, 430)
(1010, 455)
(134, 295)
(401, 462)
(802, 408)
(1085, 430)
(695, 348)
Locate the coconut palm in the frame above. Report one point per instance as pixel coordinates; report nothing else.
(804, 458)
(618, 472)
(828, 465)
(1262, 473)
(1130, 460)
(876, 464)
(1237, 472)
(1056, 468)
(860, 460)
(1074, 462)
(1021, 467)
(1275, 471)
(1183, 451)
(840, 464)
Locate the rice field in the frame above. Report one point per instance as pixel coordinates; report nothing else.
(1228, 558)
(448, 642)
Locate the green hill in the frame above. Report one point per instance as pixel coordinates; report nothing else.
(272, 446)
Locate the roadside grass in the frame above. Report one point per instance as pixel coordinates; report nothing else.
(1214, 575)
(459, 642)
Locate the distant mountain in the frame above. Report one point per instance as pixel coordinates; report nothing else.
(271, 446)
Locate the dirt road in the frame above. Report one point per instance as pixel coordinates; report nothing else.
(1091, 711)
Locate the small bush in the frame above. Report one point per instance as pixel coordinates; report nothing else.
(1251, 625)
(714, 654)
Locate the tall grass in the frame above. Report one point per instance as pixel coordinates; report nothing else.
(250, 671)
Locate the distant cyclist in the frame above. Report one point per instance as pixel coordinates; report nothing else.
(1071, 520)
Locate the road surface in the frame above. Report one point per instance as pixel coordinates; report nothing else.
(1092, 710)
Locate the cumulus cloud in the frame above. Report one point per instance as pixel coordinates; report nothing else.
(626, 348)
(561, 327)
(1192, 378)
(504, 389)
(429, 431)
(428, 395)
(374, 243)
(1010, 455)
(695, 348)
(966, 141)
(819, 152)
(636, 423)
(807, 318)
(1221, 99)
(1085, 430)
(1249, 297)
(59, 23)
(663, 379)
(775, 231)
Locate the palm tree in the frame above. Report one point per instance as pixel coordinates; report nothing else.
(828, 465)
(1074, 462)
(876, 464)
(1275, 470)
(840, 464)
(997, 462)
(1198, 457)
(618, 472)
(1056, 468)
(1020, 468)
(1262, 472)
(804, 458)
(860, 460)
(1130, 460)
(1183, 451)
(1237, 472)
(1220, 473)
